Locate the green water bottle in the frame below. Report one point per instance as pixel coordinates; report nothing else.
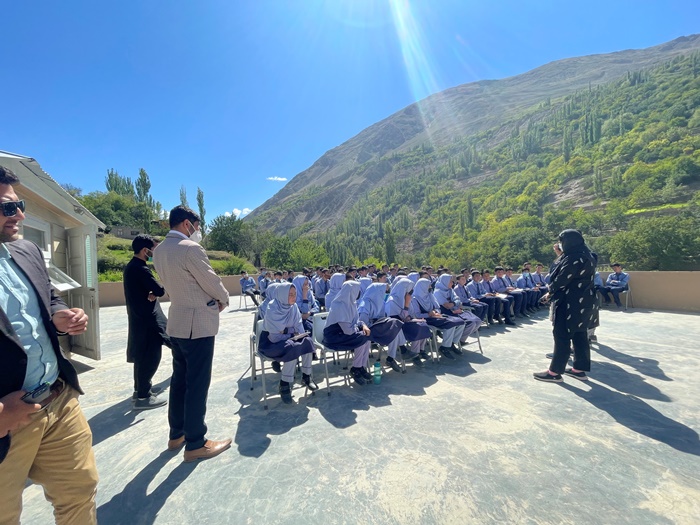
(377, 373)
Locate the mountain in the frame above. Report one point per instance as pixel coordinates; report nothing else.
(373, 158)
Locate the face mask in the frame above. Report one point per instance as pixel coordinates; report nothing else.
(196, 235)
(149, 256)
(526, 274)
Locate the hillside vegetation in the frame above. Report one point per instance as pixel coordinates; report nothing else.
(620, 161)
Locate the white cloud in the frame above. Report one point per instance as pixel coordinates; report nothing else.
(238, 213)
(278, 179)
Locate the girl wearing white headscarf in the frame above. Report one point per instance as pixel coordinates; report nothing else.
(450, 305)
(306, 302)
(414, 330)
(281, 322)
(345, 331)
(425, 306)
(384, 330)
(336, 282)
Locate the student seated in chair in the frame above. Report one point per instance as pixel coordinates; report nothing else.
(383, 330)
(345, 331)
(450, 305)
(248, 287)
(281, 323)
(414, 331)
(617, 282)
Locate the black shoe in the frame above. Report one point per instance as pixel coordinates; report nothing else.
(581, 376)
(404, 349)
(491, 321)
(358, 376)
(276, 366)
(456, 349)
(153, 392)
(593, 338)
(286, 392)
(393, 364)
(510, 323)
(417, 361)
(446, 352)
(501, 321)
(310, 383)
(366, 374)
(423, 355)
(149, 403)
(547, 377)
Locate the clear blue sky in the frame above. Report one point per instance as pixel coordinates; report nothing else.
(226, 94)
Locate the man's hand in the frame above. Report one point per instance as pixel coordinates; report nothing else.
(557, 250)
(305, 290)
(14, 413)
(151, 296)
(73, 321)
(221, 306)
(434, 314)
(457, 311)
(365, 330)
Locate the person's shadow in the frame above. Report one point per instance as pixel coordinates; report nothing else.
(256, 424)
(635, 414)
(644, 365)
(619, 379)
(116, 418)
(133, 505)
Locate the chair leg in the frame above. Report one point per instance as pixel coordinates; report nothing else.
(262, 368)
(478, 340)
(325, 365)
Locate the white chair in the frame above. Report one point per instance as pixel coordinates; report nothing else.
(243, 299)
(628, 297)
(319, 321)
(254, 340)
(478, 341)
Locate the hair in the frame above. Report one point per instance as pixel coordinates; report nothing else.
(243, 272)
(486, 270)
(524, 269)
(180, 214)
(498, 268)
(422, 273)
(142, 241)
(349, 276)
(278, 273)
(615, 264)
(380, 275)
(7, 176)
(475, 272)
(509, 269)
(539, 265)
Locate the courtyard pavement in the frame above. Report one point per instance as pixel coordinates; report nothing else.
(475, 440)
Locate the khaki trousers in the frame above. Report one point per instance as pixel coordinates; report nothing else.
(54, 451)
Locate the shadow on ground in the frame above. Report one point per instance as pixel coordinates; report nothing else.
(117, 418)
(133, 505)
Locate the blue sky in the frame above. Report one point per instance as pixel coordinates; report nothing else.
(226, 95)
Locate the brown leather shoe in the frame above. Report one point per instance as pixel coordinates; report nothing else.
(175, 444)
(209, 450)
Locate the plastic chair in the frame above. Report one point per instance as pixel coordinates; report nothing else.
(628, 297)
(254, 340)
(319, 321)
(243, 298)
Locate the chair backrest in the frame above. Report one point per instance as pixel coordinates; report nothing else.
(319, 325)
(258, 329)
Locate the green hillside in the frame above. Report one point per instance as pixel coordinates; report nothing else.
(620, 161)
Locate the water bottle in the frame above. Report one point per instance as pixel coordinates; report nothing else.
(377, 373)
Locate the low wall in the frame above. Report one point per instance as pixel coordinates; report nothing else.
(675, 291)
(112, 294)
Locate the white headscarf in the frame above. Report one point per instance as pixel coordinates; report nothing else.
(443, 292)
(343, 309)
(280, 314)
(423, 297)
(336, 282)
(372, 302)
(397, 297)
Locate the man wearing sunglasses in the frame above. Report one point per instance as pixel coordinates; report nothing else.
(43, 433)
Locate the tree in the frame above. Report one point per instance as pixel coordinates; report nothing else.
(202, 211)
(143, 186)
(72, 190)
(279, 254)
(118, 184)
(389, 244)
(183, 196)
(225, 234)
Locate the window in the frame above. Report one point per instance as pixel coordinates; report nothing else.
(59, 279)
(39, 232)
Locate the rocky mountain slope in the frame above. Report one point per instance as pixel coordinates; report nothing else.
(369, 160)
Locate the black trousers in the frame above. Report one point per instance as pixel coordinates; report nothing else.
(252, 296)
(146, 361)
(562, 347)
(491, 302)
(189, 387)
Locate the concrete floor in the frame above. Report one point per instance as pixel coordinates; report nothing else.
(471, 441)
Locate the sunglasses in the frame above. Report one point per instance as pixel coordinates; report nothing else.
(9, 209)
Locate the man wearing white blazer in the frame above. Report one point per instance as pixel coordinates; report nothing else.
(197, 296)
